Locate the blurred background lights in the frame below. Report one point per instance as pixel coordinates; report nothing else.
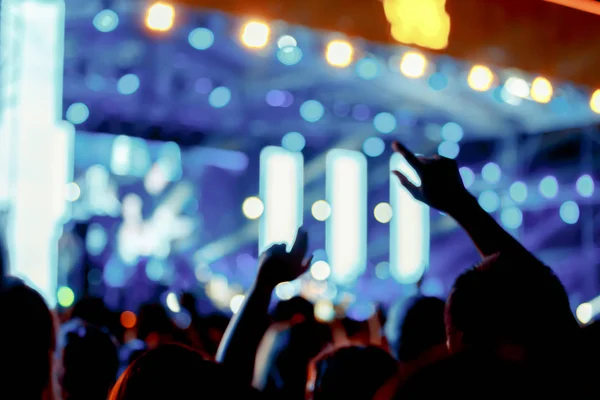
(413, 64)
(65, 296)
(384, 122)
(320, 270)
(489, 200)
(569, 212)
(339, 53)
(452, 132)
(285, 290)
(595, 101)
(128, 319)
(287, 43)
(511, 217)
(383, 213)
(548, 187)
(291, 57)
(128, 84)
(201, 38)
(275, 98)
(382, 270)
(373, 146)
(518, 191)
(367, 68)
(468, 176)
(438, 81)
(293, 141)
(480, 78)
(73, 192)
(236, 303)
(491, 173)
(253, 207)
(324, 311)
(77, 113)
(106, 21)
(173, 302)
(255, 34)
(448, 149)
(160, 17)
(584, 313)
(311, 110)
(219, 97)
(541, 90)
(321, 210)
(585, 186)
(517, 87)
(155, 270)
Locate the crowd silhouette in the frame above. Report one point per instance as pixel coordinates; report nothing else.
(482, 341)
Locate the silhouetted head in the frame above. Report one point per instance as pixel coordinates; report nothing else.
(93, 311)
(176, 372)
(27, 342)
(350, 373)
(505, 302)
(90, 361)
(294, 310)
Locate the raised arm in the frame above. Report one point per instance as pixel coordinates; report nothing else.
(240, 343)
(442, 188)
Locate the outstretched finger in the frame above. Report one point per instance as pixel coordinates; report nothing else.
(410, 157)
(411, 187)
(300, 246)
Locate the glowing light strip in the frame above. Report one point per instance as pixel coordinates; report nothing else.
(346, 236)
(282, 192)
(589, 6)
(409, 228)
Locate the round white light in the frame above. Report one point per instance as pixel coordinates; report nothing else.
(253, 207)
(320, 270)
(383, 213)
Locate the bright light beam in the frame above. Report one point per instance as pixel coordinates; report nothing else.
(346, 232)
(282, 192)
(409, 228)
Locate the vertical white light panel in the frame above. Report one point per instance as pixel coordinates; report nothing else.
(282, 193)
(409, 227)
(346, 237)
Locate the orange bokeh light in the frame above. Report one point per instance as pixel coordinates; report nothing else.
(128, 319)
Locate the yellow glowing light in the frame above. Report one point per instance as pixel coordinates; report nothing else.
(422, 22)
(481, 78)
(255, 34)
(339, 53)
(253, 207)
(160, 17)
(413, 64)
(595, 102)
(541, 90)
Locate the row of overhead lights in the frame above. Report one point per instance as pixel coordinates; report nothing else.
(340, 53)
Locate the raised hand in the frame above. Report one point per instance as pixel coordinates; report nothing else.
(278, 265)
(441, 183)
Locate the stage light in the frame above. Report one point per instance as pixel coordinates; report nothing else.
(467, 175)
(438, 81)
(374, 146)
(489, 200)
(253, 207)
(491, 173)
(511, 217)
(346, 231)
(585, 313)
(382, 270)
(448, 149)
(339, 53)
(480, 78)
(275, 98)
(518, 191)
(413, 64)
(541, 90)
(320, 210)
(293, 141)
(585, 186)
(128, 319)
(160, 17)
(77, 113)
(73, 192)
(287, 43)
(219, 97)
(255, 34)
(384, 122)
(367, 68)
(236, 303)
(106, 21)
(173, 302)
(383, 213)
(548, 187)
(201, 38)
(65, 296)
(595, 101)
(289, 58)
(517, 87)
(155, 270)
(452, 132)
(320, 270)
(311, 110)
(128, 84)
(569, 212)
(285, 290)
(409, 227)
(324, 311)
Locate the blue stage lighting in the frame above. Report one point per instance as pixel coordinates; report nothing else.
(468, 176)
(312, 110)
(448, 149)
(585, 186)
(219, 97)
(489, 201)
(491, 173)
(374, 146)
(518, 191)
(77, 113)
(293, 141)
(452, 132)
(289, 57)
(367, 68)
(511, 217)
(201, 38)
(275, 98)
(384, 122)
(106, 21)
(438, 81)
(128, 84)
(569, 212)
(549, 187)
